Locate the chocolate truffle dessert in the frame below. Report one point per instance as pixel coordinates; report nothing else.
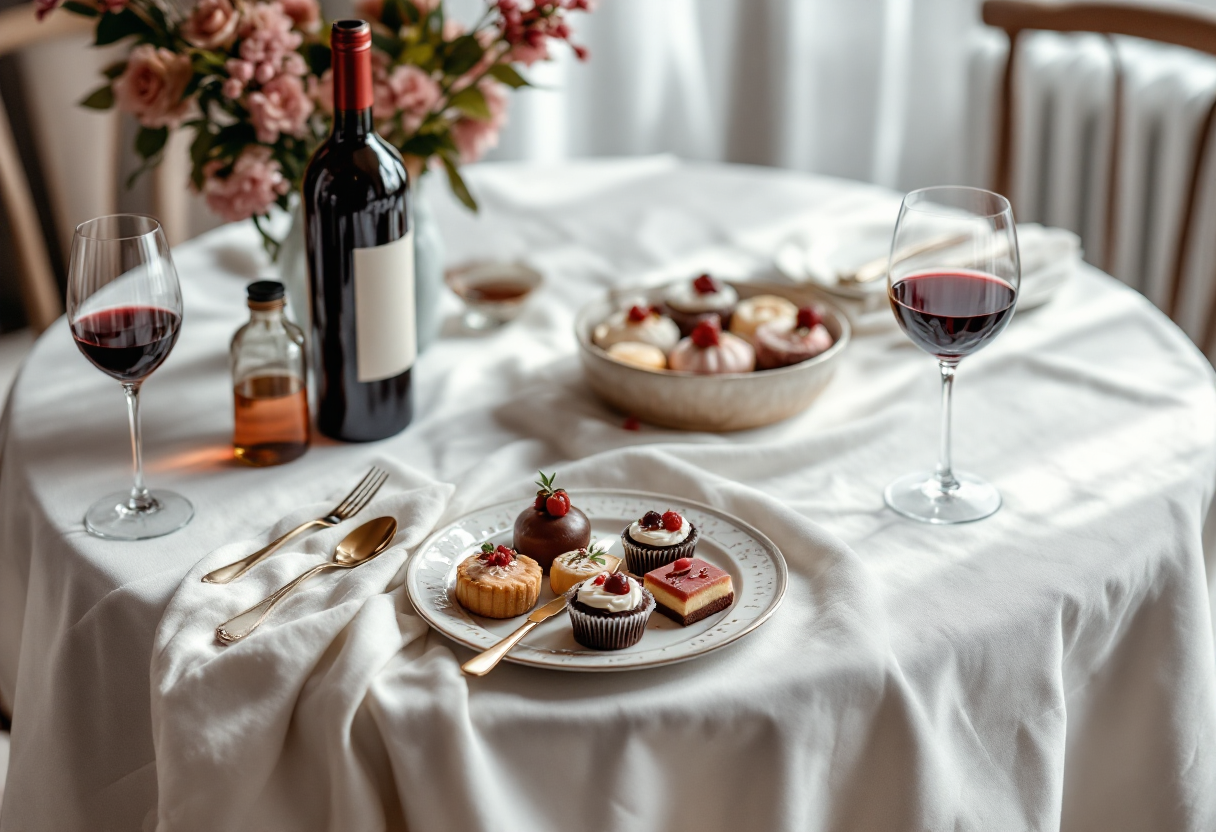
(551, 526)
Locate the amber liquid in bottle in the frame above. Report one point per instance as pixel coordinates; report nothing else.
(271, 419)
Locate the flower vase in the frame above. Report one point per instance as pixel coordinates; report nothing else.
(428, 269)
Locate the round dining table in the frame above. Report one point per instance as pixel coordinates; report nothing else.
(1051, 667)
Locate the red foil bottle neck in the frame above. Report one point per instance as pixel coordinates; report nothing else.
(351, 42)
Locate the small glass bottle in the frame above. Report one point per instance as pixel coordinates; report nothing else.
(269, 385)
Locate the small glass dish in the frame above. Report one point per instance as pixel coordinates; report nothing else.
(493, 292)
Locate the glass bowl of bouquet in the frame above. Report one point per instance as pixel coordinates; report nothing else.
(251, 81)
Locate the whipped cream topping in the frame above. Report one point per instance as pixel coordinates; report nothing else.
(660, 536)
(579, 561)
(602, 599)
(654, 330)
(684, 297)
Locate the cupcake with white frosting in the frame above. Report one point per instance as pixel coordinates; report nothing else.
(609, 611)
(654, 540)
(691, 301)
(637, 324)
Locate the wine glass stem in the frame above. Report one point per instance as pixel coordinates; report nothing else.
(945, 472)
(139, 500)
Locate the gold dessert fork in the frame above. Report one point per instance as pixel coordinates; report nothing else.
(351, 504)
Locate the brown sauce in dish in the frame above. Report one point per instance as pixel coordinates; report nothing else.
(495, 291)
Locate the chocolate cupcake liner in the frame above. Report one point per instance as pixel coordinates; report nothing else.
(610, 632)
(640, 559)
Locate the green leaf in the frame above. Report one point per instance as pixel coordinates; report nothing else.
(101, 98)
(240, 133)
(392, 14)
(388, 44)
(471, 101)
(150, 140)
(114, 70)
(114, 26)
(200, 152)
(81, 9)
(461, 55)
(508, 75)
(418, 54)
(422, 145)
(318, 56)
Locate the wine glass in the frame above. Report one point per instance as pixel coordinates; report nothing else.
(953, 281)
(125, 311)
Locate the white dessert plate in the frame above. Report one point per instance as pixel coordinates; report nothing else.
(756, 568)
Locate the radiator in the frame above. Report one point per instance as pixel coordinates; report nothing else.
(1062, 138)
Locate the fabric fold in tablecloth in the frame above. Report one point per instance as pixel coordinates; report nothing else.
(299, 726)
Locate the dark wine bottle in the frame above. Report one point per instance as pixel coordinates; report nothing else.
(360, 260)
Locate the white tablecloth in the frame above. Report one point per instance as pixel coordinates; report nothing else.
(1051, 667)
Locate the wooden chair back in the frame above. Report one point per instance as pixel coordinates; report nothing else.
(1191, 28)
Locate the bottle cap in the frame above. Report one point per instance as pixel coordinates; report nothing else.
(264, 291)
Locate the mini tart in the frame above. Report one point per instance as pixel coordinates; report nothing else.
(636, 354)
(495, 591)
(642, 556)
(756, 311)
(601, 629)
(687, 592)
(572, 568)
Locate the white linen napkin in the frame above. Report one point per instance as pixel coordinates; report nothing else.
(343, 711)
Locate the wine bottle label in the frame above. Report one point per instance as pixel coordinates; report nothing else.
(385, 333)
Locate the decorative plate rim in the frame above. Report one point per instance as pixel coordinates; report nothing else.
(771, 549)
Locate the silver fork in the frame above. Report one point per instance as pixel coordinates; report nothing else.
(351, 504)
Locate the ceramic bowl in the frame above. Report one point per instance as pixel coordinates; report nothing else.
(730, 401)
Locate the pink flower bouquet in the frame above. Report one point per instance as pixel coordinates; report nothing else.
(251, 79)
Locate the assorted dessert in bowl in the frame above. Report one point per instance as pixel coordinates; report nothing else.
(703, 354)
(609, 599)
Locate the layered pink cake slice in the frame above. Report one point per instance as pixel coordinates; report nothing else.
(690, 589)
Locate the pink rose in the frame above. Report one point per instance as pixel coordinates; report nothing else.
(474, 136)
(305, 13)
(369, 9)
(212, 25)
(407, 89)
(269, 42)
(321, 90)
(281, 106)
(527, 54)
(254, 184)
(151, 86)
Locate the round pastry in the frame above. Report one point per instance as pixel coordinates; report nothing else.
(638, 324)
(780, 344)
(709, 351)
(656, 540)
(550, 526)
(690, 302)
(609, 611)
(579, 565)
(646, 356)
(761, 309)
(498, 583)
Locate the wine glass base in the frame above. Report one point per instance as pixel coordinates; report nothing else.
(110, 518)
(920, 497)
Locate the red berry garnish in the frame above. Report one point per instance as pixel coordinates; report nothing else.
(681, 566)
(809, 317)
(672, 521)
(617, 584)
(637, 314)
(706, 333)
(705, 285)
(505, 552)
(557, 504)
(632, 423)
(502, 560)
(539, 505)
(600, 578)
(651, 520)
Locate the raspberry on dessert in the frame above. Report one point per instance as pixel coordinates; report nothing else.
(539, 505)
(637, 314)
(672, 521)
(600, 578)
(651, 520)
(505, 552)
(705, 285)
(557, 503)
(707, 333)
(681, 566)
(809, 317)
(617, 584)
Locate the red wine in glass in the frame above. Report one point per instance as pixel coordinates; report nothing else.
(951, 313)
(127, 342)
